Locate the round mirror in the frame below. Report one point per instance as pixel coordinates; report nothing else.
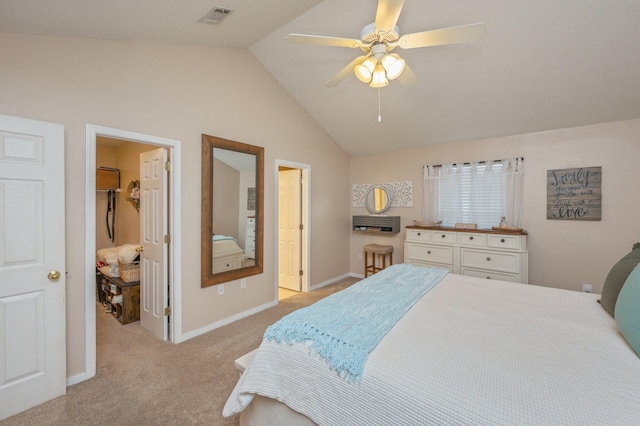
(378, 200)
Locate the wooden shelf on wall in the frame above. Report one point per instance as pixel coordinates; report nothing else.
(373, 223)
(107, 178)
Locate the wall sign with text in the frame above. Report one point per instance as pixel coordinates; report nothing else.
(574, 194)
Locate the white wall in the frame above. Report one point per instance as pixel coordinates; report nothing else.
(177, 92)
(562, 254)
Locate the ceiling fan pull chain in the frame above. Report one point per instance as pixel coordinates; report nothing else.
(379, 115)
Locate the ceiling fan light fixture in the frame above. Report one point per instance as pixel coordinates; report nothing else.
(364, 71)
(393, 65)
(380, 37)
(379, 78)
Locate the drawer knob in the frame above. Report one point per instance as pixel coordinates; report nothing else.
(444, 236)
(488, 259)
(428, 251)
(488, 278)
(419, 234)
(502, 240)
(471, 238)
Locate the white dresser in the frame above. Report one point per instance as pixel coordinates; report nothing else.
(250, 239)
(487, 254)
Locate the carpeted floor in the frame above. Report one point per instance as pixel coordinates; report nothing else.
(141, 380)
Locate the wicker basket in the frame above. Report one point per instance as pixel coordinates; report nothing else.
(129, 272)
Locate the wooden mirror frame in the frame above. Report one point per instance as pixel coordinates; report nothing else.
(208, 278)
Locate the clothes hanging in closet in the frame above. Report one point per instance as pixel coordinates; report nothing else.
(111, 214)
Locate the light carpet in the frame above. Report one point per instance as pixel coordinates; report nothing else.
(142, 380)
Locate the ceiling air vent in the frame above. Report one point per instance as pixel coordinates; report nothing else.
(216, 15)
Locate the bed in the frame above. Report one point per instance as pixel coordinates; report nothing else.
(470, 351)
(227, 254)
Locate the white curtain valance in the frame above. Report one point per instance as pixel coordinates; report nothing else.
(478, 192)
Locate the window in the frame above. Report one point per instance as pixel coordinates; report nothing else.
(479, 192)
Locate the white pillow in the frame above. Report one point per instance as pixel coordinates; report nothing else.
(127, 253)
(108, 255)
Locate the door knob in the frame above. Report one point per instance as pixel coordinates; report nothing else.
(140, 249)
(53, 275)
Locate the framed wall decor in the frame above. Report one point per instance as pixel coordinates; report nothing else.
(574, 194)
(401, 193)
(251, 198)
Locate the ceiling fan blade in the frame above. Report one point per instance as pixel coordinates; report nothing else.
(451, 35)
(387, 15)
(408, 77)
(322, 40)
(344, 72)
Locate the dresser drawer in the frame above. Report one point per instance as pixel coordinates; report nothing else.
(429, 253)
(511, 242)
(222, 265)
(443, 237)
(496, 261)
(472, 239)
(490, 275)
(417, 235)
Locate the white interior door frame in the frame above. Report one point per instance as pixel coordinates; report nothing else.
(306, 221)
(175, 248)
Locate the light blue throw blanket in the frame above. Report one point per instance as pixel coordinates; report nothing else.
(345, 327)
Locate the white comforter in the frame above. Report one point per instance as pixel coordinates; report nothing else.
(473, 352)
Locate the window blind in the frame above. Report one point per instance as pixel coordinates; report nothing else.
(472, 193)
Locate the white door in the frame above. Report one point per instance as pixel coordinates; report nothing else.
(289, 232)
(153, 228)
(32, 264)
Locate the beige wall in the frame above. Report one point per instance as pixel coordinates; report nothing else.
(176, 92)
(562, 254)
(226, 181)
(105, 157)
(128, 218)
(125, 158)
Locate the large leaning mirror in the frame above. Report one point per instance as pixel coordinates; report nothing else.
(378, 200)
(232, 210)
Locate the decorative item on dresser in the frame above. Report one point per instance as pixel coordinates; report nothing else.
(482, 253)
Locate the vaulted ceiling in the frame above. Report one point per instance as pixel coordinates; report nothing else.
(542, 65)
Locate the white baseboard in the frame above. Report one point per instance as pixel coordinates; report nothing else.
(335, 280)
(76, 378)
(226, 321)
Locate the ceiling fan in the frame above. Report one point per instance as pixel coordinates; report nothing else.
(377, 66)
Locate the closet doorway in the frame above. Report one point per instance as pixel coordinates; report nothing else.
(151, 164)
(135, 217)
(292, 183)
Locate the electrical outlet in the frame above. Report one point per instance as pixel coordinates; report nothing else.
(587, 288)
(220, 289)
(243, 283)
